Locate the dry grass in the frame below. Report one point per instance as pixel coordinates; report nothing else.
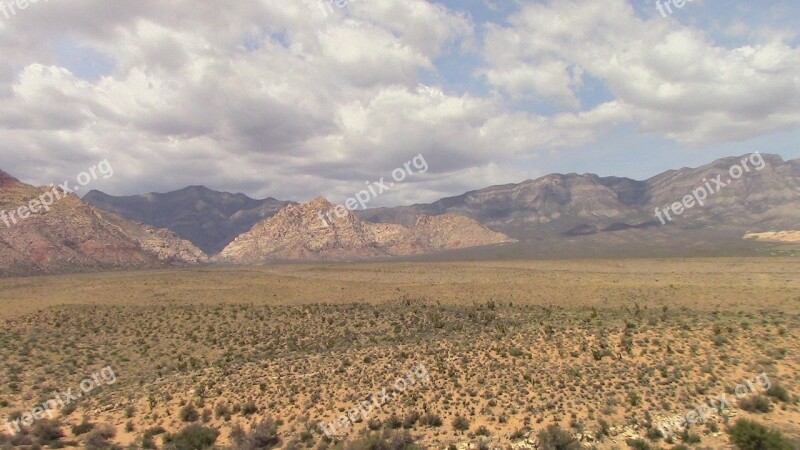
(510, 347)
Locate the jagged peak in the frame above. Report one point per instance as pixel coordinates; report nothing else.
(318, 202)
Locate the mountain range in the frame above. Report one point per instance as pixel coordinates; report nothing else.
(209, 219)
(556, 215)
(574, 204)
(46, 230)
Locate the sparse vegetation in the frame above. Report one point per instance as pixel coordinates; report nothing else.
(519, 369)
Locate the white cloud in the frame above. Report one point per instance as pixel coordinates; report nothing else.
(673, 79)
(277, 98)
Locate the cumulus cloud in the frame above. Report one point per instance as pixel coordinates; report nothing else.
(672, 79)
(287, 99)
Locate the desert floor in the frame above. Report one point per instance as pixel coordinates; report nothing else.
(603, 348)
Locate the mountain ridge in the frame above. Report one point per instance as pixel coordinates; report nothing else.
(301, 232)
(209, 219)
(70, 235)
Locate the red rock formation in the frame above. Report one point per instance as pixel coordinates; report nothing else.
(304, 232)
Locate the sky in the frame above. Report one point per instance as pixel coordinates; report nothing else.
(297, 98)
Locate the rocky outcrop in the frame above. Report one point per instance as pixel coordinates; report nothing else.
(775, 236)
(307, 232)
(72, 236)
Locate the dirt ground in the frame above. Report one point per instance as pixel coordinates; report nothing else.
(605, 349)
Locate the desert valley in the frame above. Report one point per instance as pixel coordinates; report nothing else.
(400, 225)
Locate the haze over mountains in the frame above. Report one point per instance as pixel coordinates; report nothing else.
(587, 204)
(560, 215)
(542, 212)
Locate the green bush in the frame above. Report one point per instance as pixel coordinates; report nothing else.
(638, 444)
(193, 437)
(749, 435)
(757, 404)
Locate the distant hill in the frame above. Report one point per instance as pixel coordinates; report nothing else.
(209, 219)
(579, 205)
(300, 232)
(71, 236)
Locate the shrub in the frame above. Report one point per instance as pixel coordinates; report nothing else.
(82, 428)
(100, 438)
(189, 413)
(460, 423)
(263, 435)
(130, 411)
(482, 431)
(393, 422)
(554, 438)
(410, 419)
(388, 440)
(757, 404)
(193, 437)
(249, 408)
(520, 433)
(638, 444)
(221, 410)
(47, 431)
(749, 435)
(605, 428)
(690, 438)
(779, 392)
(431, 420)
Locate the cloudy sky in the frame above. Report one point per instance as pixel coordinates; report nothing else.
(293, 98)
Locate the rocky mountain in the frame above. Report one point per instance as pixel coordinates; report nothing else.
(207, 218)
(579, 205)
(300, 232)
(45, 230)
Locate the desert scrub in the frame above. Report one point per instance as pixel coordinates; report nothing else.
(193, 437)
(749, 435)
(460, 423)
(554, 438)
